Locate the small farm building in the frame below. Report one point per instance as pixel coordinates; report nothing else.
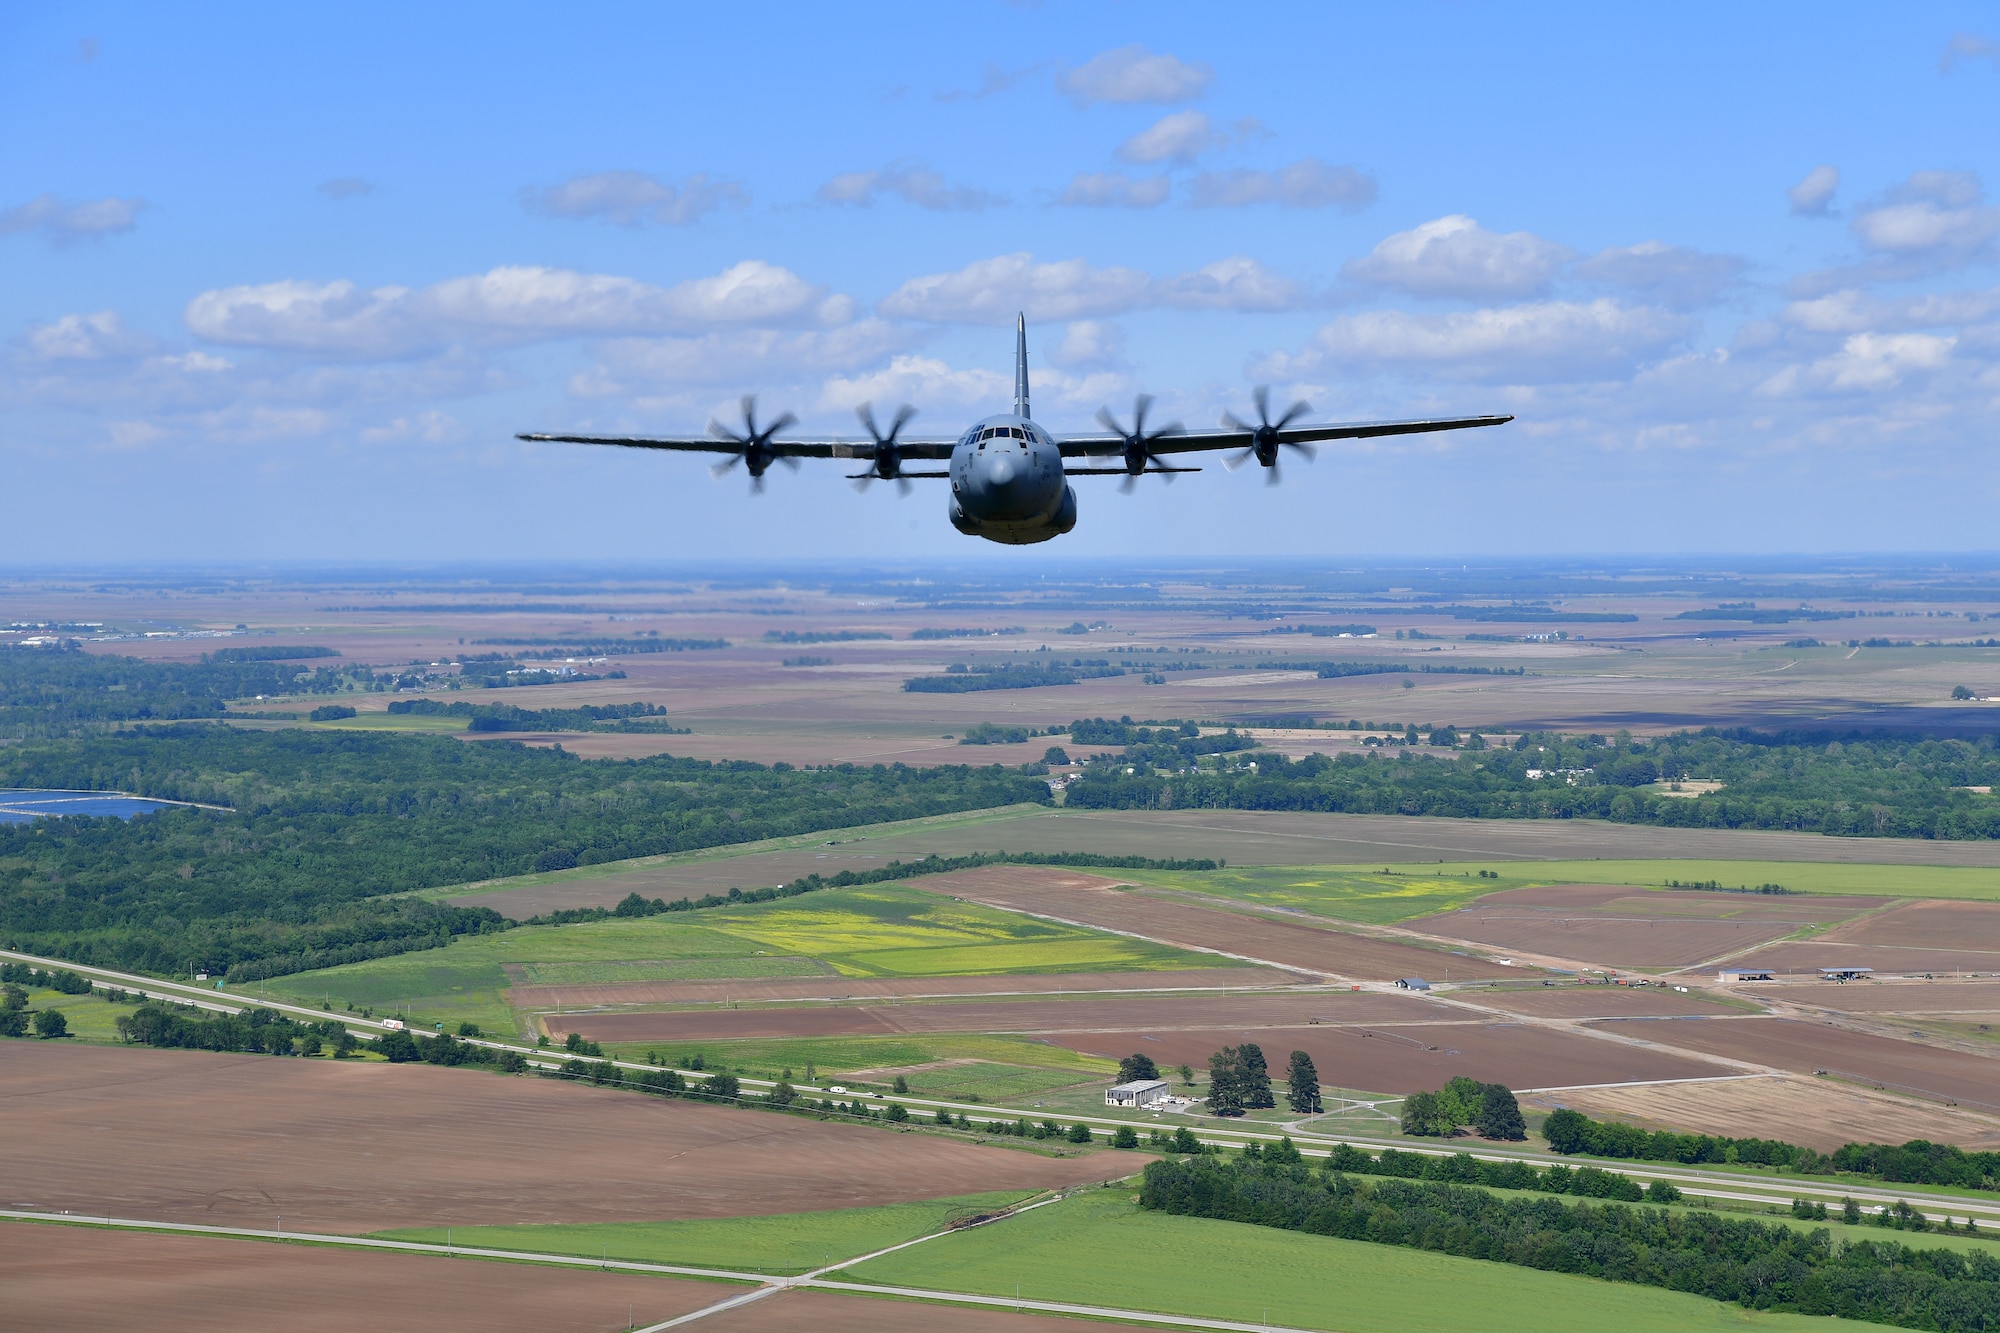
(1137, 1095)
(1413, 983)
(1744, 974)
(1846, 973)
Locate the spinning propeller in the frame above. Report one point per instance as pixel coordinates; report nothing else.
(1264, 441)
(888, 455)
(1139, 453)
(753, 449)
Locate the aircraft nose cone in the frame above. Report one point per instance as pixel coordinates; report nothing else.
(1000, 471)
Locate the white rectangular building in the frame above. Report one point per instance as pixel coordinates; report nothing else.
(1139, 1095)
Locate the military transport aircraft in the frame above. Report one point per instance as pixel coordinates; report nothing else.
(1007, 474)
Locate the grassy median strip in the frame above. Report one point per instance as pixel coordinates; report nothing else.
(784, 1243)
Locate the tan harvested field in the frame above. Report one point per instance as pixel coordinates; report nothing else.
(1622, 900)
(1150, 1013)
(1817, 1112)
(1803, 1047)
(57, 1277)
(1093, 901)
(188, 1136)
(1918, 925)
(1804, 958)
(831, 1312)
(890, 988)
(1598, 1002)
(1406, 1059)
(1888, 997)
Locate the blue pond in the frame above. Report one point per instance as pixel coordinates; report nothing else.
(19, 807)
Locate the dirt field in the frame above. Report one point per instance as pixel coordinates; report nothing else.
(1900, 1066)
(830, 1312)
(1402, 1059)
(1916, 925)
(1817, 1112)
(59, 1277)
(1804, 958)
(1889, 997)
(187, 1136)
(1151, 1013)
(1793, 910)
(885, 988)
(1090, 900)
(1597, 1002)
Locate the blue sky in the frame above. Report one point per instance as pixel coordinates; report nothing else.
(281, 284)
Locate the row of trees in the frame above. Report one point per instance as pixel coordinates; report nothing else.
(1877, 786)
(1768, 1266)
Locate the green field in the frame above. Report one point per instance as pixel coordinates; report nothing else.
(1000, 1068)
(91, 1017)
(1345, 893)
(882, 930)
(786, 1243)
(1101, 1248)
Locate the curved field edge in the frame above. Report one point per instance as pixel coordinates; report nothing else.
(1100, 1248)
(778, 1243)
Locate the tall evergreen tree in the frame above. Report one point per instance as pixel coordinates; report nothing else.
(1500, 1114)
(1303, 1093)
(1255, 1077)
(1225, 1082)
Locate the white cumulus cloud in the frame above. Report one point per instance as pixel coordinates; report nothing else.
(94, 337)
(63, 223)
(1455, 256)
(1134, 74)
(1552, 341)
(1812, 197)
(911, 182)
(1114, 189)
(1674, 274)
(508, 304)
(633, 199)
(1236, 283)
(1933, 214)
(1180, 137)
(990, 291)
(1089, 344)
(1306, 183)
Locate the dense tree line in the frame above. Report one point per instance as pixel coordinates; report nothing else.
(962, 679)
(1867, 787)
(1489, 1108)
(1239, 1080)
(1766, 1266)
(325, 824)
(265, 1030)
(639, 717)
(63, 691)
(1918, 1162)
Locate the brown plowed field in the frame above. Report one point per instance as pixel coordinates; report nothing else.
(1804, 958)
(1153, 1013)
(888, 988)
(1397, 1059)
(1890, 997)
(60, 1277)
(189, 1136)
(1597, 1002)
(1664, 904)
(1091, 901)
(1616, 926)
(1817, 1112)
(1927, 925)
(1900, 1066)
(830, 1312)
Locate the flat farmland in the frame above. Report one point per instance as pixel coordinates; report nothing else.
(59, 1277)
(888, 988)
(1405, 1059)
(1817, 1112)
(1888, 997)
(1807, 957)
(1900, 1066)
(1110, 1014)
(1597, 1002)
(1093, 901)
(830, 1312)
(1918, 925)
(186, 1136)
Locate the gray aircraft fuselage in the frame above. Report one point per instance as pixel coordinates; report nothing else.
(1007, 483)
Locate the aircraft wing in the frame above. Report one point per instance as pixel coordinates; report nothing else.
(1192, 441)
(823, 448)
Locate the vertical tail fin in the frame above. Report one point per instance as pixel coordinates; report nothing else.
(1021, 365)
